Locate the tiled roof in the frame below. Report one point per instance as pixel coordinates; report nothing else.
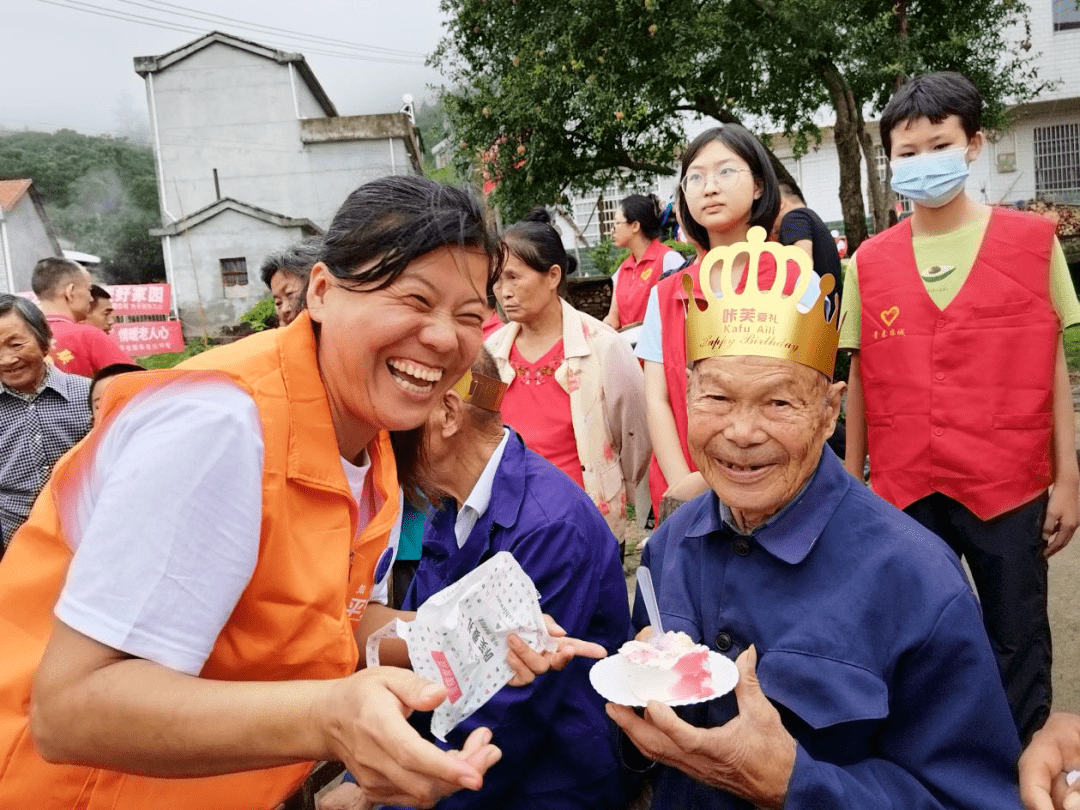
(153, 64)
(11, 191)
(247, 209)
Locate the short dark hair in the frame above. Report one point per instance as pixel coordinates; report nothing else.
(935, 96)
(645, 211)
(33, 317)
(296, 259)
(789, 189)
(111, 370)
(98, 293)
(392, 221)
(51, 273)
(535, 241)
(740, 141)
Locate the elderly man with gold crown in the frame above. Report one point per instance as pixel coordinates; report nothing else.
(865, 676)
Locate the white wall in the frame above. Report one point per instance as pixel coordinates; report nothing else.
(333, 170)
(197, 258)
(1059, 52)
(28, 241)
(5, 286)
(228, 109)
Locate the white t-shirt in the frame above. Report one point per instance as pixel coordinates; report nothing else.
(650, 345)
(165, 524)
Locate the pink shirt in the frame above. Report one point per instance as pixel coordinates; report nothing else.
(538, 408)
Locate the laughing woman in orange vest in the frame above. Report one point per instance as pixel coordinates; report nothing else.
(637, 226)
(211, 549)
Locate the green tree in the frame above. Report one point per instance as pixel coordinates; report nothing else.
(100, 193)
(574, 94)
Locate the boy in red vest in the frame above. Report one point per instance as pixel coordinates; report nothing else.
(958, 385)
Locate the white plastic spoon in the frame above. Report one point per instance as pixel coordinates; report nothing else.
(645, 586)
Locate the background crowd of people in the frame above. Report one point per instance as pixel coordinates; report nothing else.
(187, 594)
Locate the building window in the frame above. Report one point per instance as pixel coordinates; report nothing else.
(609, 206)
(1057, 162)
(903, 204)
(234, 272)
(1066, 14)
(595, 213)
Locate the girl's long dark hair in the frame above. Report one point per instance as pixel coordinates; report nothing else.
(740, 141)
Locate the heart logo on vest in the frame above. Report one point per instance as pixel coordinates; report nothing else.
(646, 274)
(888, 316)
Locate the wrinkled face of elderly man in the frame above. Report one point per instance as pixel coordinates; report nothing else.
(756, 429)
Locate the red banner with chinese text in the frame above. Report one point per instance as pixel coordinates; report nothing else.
(150, 337)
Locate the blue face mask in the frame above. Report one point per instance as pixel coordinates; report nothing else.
(931, 179)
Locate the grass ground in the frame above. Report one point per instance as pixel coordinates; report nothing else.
(169, 360)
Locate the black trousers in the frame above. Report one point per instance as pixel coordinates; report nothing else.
(1005, 556)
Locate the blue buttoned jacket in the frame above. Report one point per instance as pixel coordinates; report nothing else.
(559, 747)
(870, 645)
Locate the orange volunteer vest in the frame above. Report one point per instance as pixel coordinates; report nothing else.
(292, 621)
(960, 401)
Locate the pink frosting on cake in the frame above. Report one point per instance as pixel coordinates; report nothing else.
(668, 667)
(695, 678)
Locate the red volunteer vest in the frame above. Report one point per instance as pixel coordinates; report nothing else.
(636, 279)
(960, 401)
(294, 620)
(672, 300)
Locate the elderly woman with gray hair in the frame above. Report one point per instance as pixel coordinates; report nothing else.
(286, 273)
(43, 411)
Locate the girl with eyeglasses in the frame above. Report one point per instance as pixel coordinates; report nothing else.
(727, 186)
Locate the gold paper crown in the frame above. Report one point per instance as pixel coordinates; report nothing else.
(763, 323)
(481, 390)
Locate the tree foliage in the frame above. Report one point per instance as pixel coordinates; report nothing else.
(100, 194)
(573, 94)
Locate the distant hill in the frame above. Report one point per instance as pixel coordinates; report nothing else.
(100, 193)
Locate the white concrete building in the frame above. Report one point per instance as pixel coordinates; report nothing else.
(25, 234)
(251, 156)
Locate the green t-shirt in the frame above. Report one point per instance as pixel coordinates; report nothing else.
(944, 262)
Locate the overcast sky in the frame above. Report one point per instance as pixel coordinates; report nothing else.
(67, 65)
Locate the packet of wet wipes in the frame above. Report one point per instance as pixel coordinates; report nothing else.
(458, 637)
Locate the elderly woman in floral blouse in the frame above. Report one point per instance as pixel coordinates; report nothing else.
(576, 391)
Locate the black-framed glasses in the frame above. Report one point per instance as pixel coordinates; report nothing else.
(724, 179)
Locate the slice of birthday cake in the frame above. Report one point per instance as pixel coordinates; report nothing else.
(666, 667)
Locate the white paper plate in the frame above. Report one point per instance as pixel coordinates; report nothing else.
(611, 678)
